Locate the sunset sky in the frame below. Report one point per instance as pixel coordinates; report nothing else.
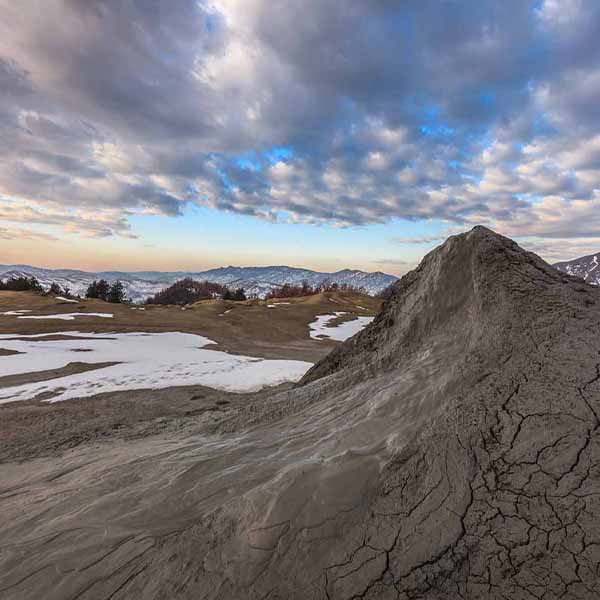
(322, 134)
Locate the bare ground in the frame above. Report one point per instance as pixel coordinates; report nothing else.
(30, 429)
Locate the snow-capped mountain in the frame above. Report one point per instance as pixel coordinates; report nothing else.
(586, 267)
(255, 280)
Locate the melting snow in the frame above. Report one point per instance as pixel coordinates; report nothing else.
(68, 316)
(14, 313)
(146, 360)
(65, 299)
(320, 329)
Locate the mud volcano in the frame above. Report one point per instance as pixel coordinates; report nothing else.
(450, 450)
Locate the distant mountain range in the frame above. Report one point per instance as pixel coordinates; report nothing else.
(255, 280)
(586, 267)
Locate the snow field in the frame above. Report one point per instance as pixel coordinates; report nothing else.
(146, 360)
(319, 329)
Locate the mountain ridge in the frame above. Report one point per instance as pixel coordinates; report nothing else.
(585, 267)
(255, 280)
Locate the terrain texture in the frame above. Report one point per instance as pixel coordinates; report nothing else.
(449, 450)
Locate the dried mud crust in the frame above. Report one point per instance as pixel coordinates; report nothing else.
(34, 429)
(499, 494)
(450, 450)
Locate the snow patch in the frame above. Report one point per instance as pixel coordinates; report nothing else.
(320, 329)
(68, 316)
(65, 299)
(14, 313)
(146, 361)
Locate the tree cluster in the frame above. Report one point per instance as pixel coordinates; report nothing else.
(237, 295)
(21, 284)
(188, 291)
(56, 290)
(103, 290)
(348, 288)
(288, 290)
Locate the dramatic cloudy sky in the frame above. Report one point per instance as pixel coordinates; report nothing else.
(321, 133)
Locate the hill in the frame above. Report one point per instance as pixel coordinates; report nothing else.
(449, 450)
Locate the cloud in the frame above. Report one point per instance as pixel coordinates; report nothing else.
(465, 113)
(418, 240)
(17, 233)
(560, 249)
(394, 265)
(392, 261)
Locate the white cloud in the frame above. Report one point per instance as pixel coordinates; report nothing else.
(118, 109)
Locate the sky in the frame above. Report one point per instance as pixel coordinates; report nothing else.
(143, 134)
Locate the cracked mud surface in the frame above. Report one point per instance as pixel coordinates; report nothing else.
(450, 450)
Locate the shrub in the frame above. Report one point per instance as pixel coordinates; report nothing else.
(287, 290)
(236, 295)
(116, 293)
(187, 291)
(98, 289)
